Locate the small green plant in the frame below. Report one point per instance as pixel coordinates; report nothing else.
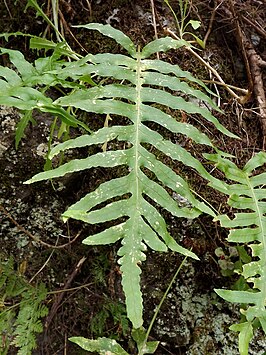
(182, 24)
(21, 310)
(116, 313)
(232, 260)
(225, 260)
(17, 85)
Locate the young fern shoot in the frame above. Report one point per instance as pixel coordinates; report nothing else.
(137, 91)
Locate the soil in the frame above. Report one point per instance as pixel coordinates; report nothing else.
(193, 319)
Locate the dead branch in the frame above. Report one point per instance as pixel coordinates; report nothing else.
(258, 88)
(60, 296)
(258, 29)
(34, 238)
(210, 23)
(207, 65)
(253, 63)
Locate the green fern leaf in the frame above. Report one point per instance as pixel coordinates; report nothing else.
(113, 33)
(28, 321)
(17, 89)
(21, 126)
(101, 345)
(134, 100)
(245, 335)
(19, 328)
(248, 194)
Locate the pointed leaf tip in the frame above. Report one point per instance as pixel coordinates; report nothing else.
(118, 36)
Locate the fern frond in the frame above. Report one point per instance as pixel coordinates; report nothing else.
(133, 100)
(28, 321)
(248, 194)
(19, 328)
(100, 345)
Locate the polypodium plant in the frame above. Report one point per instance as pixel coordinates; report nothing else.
(247, 194)
(137, 90)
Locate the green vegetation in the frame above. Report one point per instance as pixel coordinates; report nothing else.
(140, 336)
(137, 91)
(21, 310)
(144, 225)
(248, 194)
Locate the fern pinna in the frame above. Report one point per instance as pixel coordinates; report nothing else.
(249, 227)
(139, 83)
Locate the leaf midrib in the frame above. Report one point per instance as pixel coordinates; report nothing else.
(262, 240)
(137, 134)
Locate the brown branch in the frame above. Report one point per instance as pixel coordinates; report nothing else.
(207, 65)
(260, 31)
(253, 63)
(210, 23)
(258, 88)
(240, 38)
(261, 63)
(60, 296)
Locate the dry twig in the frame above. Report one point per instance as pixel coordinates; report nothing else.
(258, 29)
(9, 13)
(154, 23)
(253, 63)
(59, 298)
(31, 236)
(207, 65)
(210, 23)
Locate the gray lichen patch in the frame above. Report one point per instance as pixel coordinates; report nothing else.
(42, 222)
(195, 320)
(8, 120)
(35, 208)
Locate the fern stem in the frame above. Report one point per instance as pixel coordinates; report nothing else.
(263, 240)
(154, 24)
(69, 289)
(205, 201)
(55, 17)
